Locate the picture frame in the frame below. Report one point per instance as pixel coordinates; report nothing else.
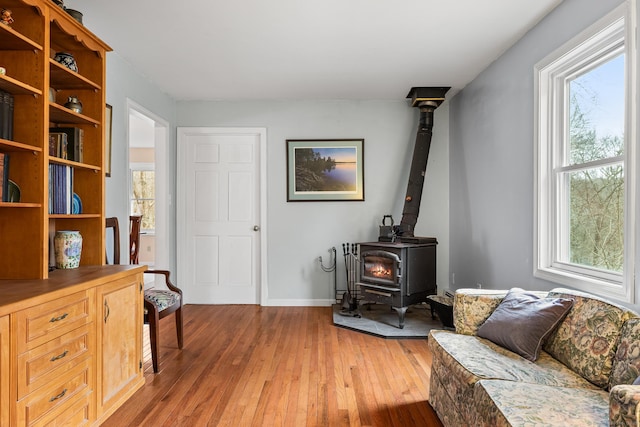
(325, 170)
(107, 139)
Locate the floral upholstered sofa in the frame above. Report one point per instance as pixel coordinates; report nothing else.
(578, 373)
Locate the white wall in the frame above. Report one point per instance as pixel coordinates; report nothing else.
(299, 232)
(492, 157)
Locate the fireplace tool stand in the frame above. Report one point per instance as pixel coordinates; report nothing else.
(349, 306)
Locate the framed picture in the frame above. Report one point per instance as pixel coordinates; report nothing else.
(325, 170)
(107, 139)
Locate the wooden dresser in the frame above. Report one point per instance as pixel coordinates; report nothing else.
(71, 345)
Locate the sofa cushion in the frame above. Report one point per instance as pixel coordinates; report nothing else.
(469, 359)
(626, 362)
(623, 405)
(587, 338)
(522, 321)
(507, 403)
(472, 307)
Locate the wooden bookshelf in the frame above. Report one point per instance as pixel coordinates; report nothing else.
(27, 50)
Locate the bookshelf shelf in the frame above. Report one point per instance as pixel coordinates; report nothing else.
(60, 114)
(11, 39)
(16, 87)
(76, 165)
(63, 78)
(74, 216)
(8, 146)
(19, 205)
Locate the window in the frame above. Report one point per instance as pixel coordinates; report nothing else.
(584, 204)
(143, 195)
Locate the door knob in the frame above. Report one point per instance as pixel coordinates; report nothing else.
(256, 228)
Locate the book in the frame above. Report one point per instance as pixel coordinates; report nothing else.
(75, 142)
(6, 115)
(4, 177)
(58, 144)
(60, 189)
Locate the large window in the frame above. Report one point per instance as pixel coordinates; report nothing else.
(584, 227)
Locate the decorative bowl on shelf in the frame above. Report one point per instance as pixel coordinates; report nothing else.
(67, 60)
(76, 207)
(74, 14)
(14, 192)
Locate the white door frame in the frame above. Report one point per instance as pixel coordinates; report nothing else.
(181, 214)
(163, 192)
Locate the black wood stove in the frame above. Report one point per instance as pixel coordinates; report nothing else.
(400, 269)
(399, 274)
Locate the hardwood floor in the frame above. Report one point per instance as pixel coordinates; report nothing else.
(279, 366)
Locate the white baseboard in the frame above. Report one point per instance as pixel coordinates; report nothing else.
(300, 302)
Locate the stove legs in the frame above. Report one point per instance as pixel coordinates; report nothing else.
(401, 311)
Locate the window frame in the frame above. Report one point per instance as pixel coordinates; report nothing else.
(610, 36)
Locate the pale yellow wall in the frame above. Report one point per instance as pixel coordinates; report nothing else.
(141, 155)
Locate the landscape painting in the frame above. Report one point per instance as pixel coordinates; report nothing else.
(325, 170)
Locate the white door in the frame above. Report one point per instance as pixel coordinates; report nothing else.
(219, 214)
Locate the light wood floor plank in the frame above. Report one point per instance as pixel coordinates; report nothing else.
(247, 365)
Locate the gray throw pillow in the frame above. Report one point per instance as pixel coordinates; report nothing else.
(523, 320)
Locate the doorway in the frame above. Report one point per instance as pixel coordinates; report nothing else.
(148, 183)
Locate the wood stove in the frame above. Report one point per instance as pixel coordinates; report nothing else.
(397, 273)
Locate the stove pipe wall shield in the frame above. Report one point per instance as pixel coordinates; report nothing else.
(427, 99)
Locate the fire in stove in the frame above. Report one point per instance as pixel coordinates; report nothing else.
(380, 271)
(378, 267)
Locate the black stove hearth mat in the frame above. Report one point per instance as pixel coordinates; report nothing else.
(382, 321)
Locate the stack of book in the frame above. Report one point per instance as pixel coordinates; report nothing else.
(60, 189)
(67, 143)
(4, 177)
(6, 115)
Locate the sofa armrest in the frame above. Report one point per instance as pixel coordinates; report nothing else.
(471, 307)
(624, 405)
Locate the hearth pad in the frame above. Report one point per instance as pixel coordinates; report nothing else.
(382, 321)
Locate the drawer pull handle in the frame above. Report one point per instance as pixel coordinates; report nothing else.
(61, 395)
(59, 318)
(58, 357)
(107, 311)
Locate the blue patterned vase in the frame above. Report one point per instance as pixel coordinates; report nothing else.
(68, 248)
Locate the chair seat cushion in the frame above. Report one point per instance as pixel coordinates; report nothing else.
(161, 298)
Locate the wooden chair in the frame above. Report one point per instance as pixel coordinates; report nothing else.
(112, 224)
(135, 222)
(158, 304)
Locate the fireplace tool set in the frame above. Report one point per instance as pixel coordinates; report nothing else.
(349, 305)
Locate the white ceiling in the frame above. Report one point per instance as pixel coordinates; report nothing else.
(309, 49)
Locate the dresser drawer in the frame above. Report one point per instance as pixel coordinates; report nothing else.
(77, 415)
(44, 363)
(43, 405)
(42, 323)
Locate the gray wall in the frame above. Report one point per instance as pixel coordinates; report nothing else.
(124, 83)
(298, 233)
(492, 157)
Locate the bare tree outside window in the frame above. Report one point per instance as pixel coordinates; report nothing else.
(143, 199)
(596, 180)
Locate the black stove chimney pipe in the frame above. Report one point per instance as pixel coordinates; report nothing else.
(427, 99)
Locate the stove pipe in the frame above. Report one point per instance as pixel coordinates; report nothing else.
(427, 99)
